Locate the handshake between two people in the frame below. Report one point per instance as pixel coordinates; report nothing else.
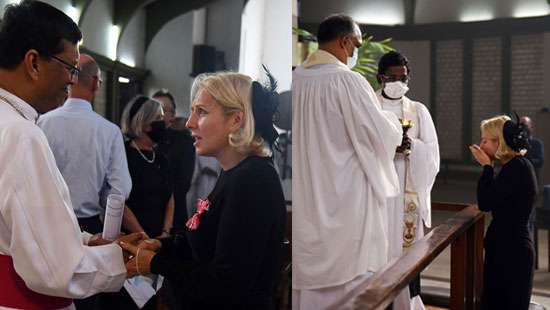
(138, 251)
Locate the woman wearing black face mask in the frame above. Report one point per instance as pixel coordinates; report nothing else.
(150, 207)
(157, 133)
(151, 203)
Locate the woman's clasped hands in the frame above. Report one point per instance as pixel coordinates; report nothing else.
(140, 256)
(480, 156)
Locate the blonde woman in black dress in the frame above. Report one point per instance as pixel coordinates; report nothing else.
(509, 196)
(232, 257)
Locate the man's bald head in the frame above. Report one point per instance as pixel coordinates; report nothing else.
(89, 69)
(526, 120)
(89, 79)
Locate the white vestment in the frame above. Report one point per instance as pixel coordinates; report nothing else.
(419, 170)
(343, 174)
(38, 227)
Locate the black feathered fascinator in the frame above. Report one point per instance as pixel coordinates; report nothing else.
(516, 134)
(265, 101)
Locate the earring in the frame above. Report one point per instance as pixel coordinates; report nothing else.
(235, 136)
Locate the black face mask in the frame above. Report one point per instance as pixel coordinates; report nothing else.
(157, 132)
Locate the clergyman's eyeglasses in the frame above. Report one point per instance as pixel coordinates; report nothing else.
(73, 71)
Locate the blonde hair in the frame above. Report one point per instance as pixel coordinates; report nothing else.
(493, 127)
(197, 85)
(149, 112)
(232, 91)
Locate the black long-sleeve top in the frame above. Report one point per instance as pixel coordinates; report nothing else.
(232, 260)
(536, 154)
(179, 150)
(509, 197)
(152, 187)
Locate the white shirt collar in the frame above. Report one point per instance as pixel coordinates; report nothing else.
(18, 104)
(78, 103)
(322, 57)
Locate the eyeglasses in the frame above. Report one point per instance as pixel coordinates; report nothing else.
(73, 71)
(393, 78)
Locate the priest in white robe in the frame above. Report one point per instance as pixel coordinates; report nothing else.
(416, 163)
(45, 261)
(343, 173)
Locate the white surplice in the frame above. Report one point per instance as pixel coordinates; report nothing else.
(38, 227)
(343, 174)
(420, 170)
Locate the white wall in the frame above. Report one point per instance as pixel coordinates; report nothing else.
(131, 48)
(223, 29)
(252, 31)
(3, 3)
(98, 32)
(169, 58)
(63, 5)
(278, 41)
(266, 38)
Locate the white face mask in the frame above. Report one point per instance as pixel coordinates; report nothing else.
(395, 90)
(352, 61)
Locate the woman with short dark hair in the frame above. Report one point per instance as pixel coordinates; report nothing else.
(150, 206)
(151, 202)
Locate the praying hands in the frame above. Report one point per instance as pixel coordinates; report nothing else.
(480, 156)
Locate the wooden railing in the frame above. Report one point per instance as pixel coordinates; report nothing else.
(463, 232)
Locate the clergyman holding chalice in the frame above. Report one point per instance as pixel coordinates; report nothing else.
(416, 163)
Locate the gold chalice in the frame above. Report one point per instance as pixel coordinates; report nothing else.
(406, 124)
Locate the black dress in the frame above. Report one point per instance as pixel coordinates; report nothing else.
(180, 152)
(152, 186)
(509, 251)
(232, 260)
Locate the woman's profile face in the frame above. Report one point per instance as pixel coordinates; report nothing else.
(489, 145)
(209, 125)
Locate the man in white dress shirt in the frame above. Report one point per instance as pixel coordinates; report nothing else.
(88, 149)
(343, 174)
(416, 162)
(44, 259)
(89, 152)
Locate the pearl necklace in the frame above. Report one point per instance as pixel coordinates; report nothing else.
(143, 155)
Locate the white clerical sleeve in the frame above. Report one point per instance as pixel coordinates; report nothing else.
(44, 240)
(424, 161)
(374, 134)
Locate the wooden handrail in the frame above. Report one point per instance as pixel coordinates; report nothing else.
(464, 232)
(449, 206)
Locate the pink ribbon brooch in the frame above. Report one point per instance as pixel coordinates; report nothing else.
(194, 221)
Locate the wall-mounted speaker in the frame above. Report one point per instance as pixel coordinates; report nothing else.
(204, 59)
